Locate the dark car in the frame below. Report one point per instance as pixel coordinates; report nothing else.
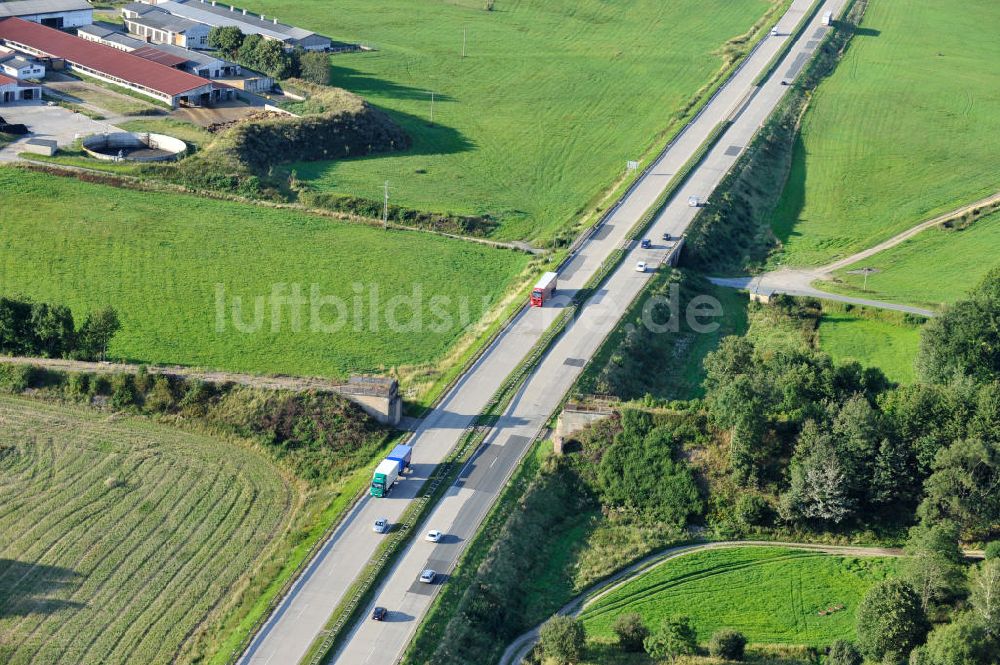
(646, 243)
(666, 236)
(379, 614)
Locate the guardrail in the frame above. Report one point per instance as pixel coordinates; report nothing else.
(787, 46)
(477, 432)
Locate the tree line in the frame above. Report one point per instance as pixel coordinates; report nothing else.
(270, 56)
(40, 329)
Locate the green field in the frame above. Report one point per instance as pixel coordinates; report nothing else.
(163, 260)
(119, 536)
(890, 346)
(553, 97)
(773, 595)
(931, 269)
(907, 126)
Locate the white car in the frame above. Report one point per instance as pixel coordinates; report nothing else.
(433, 536)
(640, 266)
(774, 32)
(381, 525)
(428, 576)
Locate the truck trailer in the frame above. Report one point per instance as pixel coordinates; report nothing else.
(401, 454)
(544, 289)
(384, 477)
(828, 18)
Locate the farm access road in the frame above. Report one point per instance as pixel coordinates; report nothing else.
(465, 504)
(808, 281)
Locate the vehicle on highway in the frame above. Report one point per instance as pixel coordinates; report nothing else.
(384, 477)
(401, 454)
(379, 614)
(381, 525)
(774, 32)
(544, 289)
(428, 576)
(646, 243)
(433, 536)
(694, 201)
(640, 266)
(666, 236)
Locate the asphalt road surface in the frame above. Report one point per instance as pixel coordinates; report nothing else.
(300, 617)
(461, 512)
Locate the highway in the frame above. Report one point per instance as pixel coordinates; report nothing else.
(465, 505)
(302, 614)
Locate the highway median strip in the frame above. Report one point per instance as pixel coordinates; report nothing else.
(361, 592)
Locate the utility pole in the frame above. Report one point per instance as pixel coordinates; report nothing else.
(432, 108)
(385, 208)
(465, 35)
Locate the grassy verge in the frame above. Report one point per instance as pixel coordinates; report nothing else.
(900, 132)
(875, 338)
(772, 595)
(931, 269)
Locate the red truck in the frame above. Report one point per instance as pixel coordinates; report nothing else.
(544, 289)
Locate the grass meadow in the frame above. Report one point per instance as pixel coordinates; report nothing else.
(773, 595)
(118, 536)
(540, 117)
(874, 339)
(932, 269)
(163, 259)
(906, 127)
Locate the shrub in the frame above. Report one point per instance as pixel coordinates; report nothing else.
(992, 550)
(562, 639)
(727, 643)
(676, 637)
(123, 391)
(843, 652)
(890, 622)
(15, 378)
(631, 631)
(753, 510)
(78, 386)
(161, 397)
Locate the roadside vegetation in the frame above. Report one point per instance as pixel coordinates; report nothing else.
(163, 507)
(541, 115)
(786, 444)
(636, 361)
(160, 260)
(905, 128)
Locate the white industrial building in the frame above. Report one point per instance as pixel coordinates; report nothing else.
(21, 68)
(218, 15)
(12, 90)
(161, 27)
(58, 14)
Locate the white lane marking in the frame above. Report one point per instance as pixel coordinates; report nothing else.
(494, 462)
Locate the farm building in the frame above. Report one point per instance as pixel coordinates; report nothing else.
(199, 63)
(218, 15)
(12, 90)
(14, 65)
(155, 80)
(161, 27)
(52, 13)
